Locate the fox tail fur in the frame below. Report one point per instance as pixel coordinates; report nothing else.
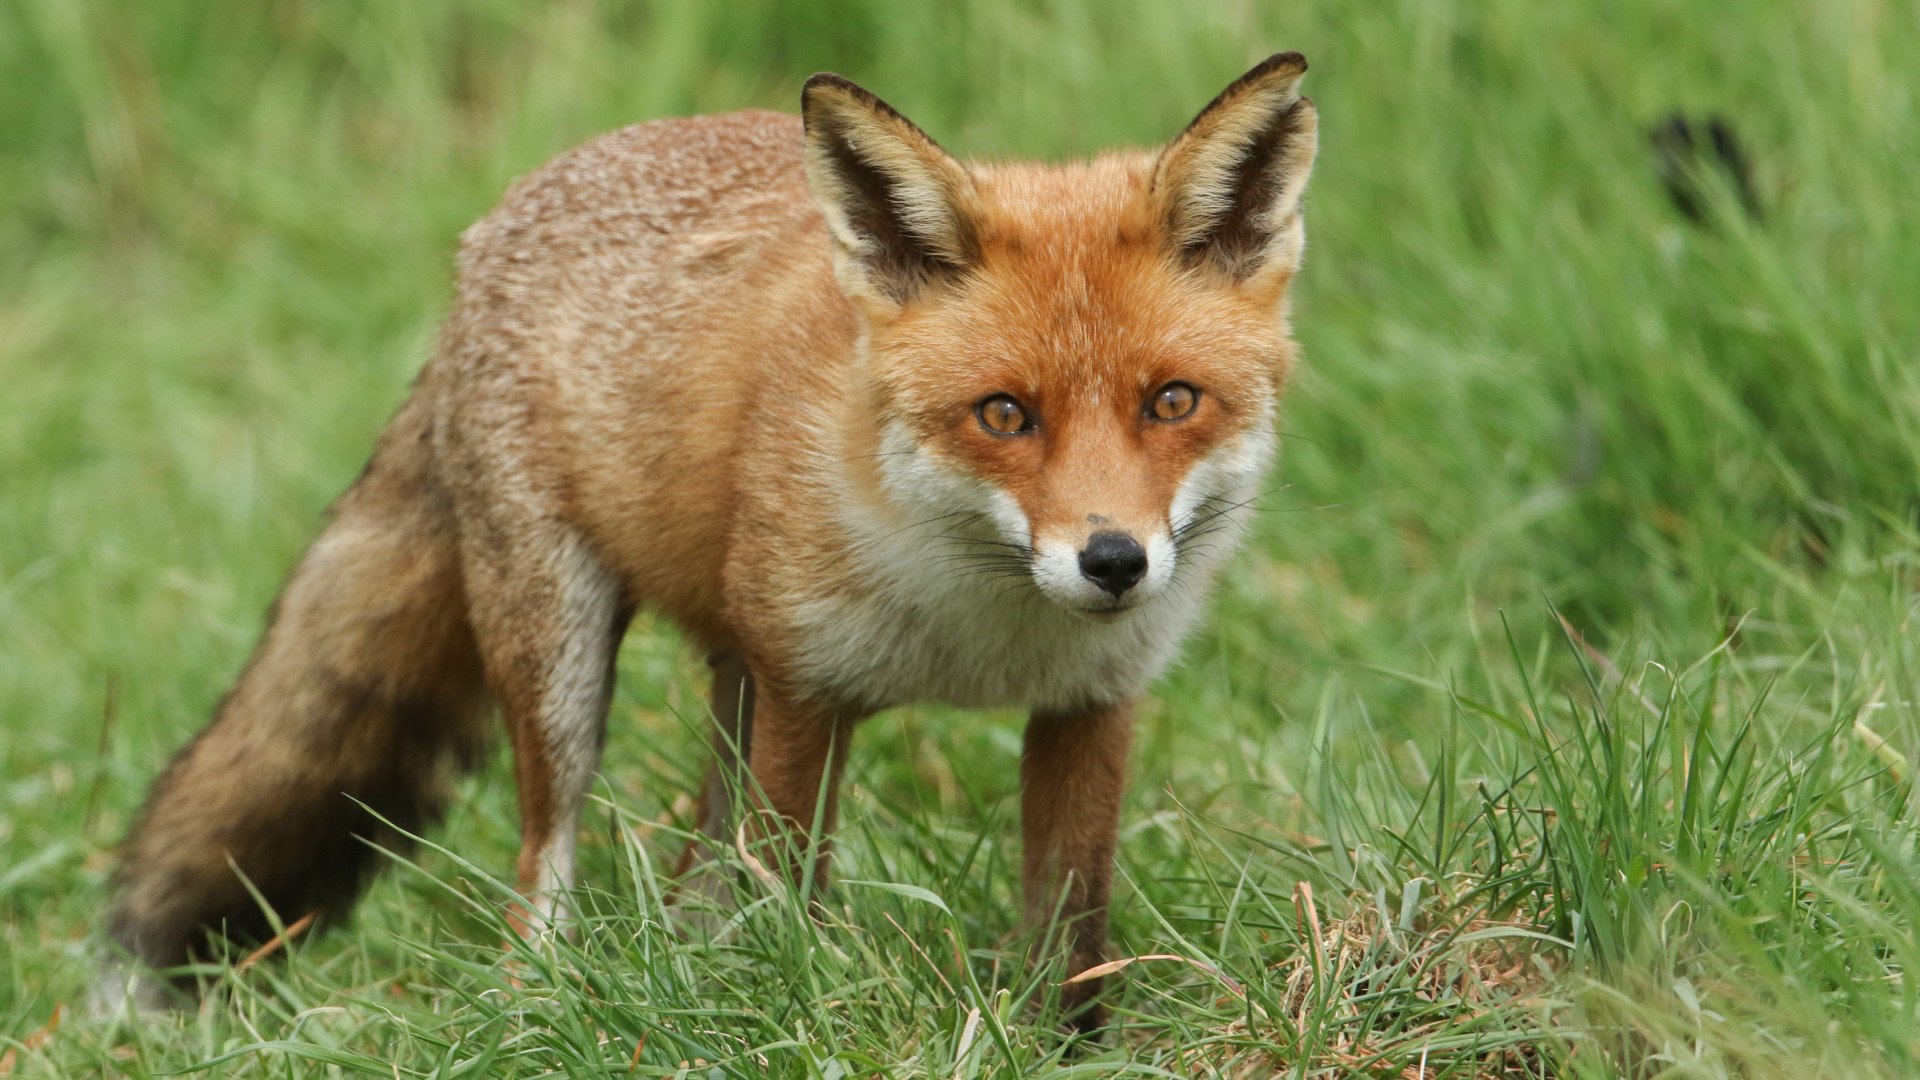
(361, 702)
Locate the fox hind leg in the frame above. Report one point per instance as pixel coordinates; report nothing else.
(731, 703)
(548, 617)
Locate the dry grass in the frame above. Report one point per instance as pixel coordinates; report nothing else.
(1378, 995)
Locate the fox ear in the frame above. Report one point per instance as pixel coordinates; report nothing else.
(901, 211)
(1228, 188)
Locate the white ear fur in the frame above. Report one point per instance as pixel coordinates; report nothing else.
(1229, 187)
(900, 210)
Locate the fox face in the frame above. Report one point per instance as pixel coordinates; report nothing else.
(1073, 367)
(1094, 411)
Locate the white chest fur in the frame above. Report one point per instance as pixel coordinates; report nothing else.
(935, 615)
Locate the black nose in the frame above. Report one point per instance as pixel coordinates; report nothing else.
(1114, 561)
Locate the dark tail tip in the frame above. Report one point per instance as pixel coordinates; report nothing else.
(222, 843)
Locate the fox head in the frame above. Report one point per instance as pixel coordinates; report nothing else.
(1074, 367)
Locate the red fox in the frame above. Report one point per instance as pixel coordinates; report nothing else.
(871, 425)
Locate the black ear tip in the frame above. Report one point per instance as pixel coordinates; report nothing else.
(846, 88)
(1286, 65)
(823, 80)
(1291, 61)
(827, 78)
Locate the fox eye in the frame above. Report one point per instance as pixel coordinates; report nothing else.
(1174, 402)
(1002, 415)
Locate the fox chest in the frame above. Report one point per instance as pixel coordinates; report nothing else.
(973, 649)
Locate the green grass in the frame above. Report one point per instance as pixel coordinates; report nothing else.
(1391, 812)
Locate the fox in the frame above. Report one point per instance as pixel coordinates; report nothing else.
(870, 425)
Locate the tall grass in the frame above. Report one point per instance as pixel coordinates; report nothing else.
(1394, 814)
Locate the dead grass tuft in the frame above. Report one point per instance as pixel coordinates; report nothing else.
(1370, 995)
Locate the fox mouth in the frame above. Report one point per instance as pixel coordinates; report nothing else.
(1110, 611)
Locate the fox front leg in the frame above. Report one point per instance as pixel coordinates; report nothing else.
(1073, 773)
(795, 758)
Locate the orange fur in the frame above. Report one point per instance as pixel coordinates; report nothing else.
(727, 368)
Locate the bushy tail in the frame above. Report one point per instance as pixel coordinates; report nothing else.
(365, 689)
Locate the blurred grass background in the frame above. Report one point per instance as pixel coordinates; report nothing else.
(227, 237)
